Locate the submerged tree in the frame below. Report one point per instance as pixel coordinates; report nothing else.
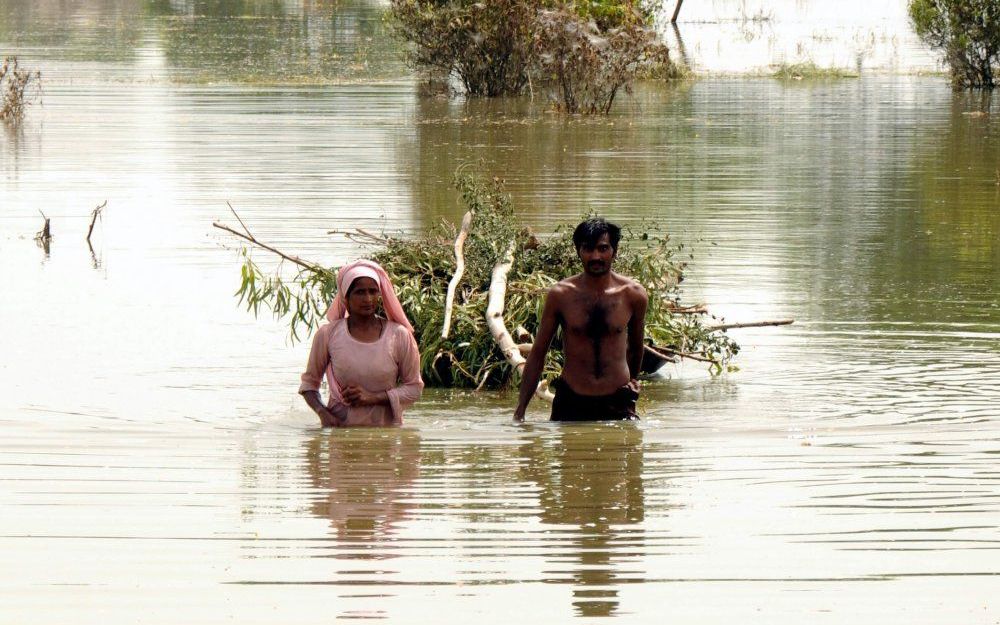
(582, 53)
(484, 44)
(969, 33)
(584, 67)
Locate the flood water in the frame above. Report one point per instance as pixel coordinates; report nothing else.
(156, 465)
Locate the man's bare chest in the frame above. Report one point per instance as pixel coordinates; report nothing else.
(596, 317)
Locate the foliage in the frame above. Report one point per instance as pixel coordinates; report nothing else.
(15, 90)
(585, 51)
(421, 269)
(482, 43)
(586, 67)
(969, 33)
(809, 70)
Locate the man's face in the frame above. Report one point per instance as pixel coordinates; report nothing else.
(597, 258)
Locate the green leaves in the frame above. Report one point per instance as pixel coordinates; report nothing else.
(968, 31)
(469, 358)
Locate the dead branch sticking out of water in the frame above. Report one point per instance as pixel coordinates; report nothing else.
(752, 324)
(45, 234)
(449, 302)
(677, 12)
(93, 219)
(252, 239)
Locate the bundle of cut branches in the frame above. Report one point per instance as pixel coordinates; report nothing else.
(466, 321)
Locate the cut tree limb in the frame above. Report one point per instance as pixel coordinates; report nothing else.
(677, 11)
(252, 239)
(752, 324)
(672, 355)
(449, 301)
(495, 322)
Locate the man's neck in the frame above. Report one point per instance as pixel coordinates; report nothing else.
(597, 282)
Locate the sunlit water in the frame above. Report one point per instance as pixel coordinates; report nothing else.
(156, 465)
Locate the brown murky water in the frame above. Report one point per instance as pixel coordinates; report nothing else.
(156, 466)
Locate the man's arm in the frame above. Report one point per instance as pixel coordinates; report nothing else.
(637, 331)
(536, 359)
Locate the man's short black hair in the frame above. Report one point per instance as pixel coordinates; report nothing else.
(588, 232)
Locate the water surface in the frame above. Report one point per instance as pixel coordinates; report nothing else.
(156, 465)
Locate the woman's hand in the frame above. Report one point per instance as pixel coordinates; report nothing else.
(357, 396)
(327, 418)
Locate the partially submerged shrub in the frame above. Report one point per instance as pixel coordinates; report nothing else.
(586, 68)
(584, 52)
(16, 86)
(969, 33)
(422, 267)
(484, 44)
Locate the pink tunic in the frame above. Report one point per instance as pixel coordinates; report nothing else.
(390, 364)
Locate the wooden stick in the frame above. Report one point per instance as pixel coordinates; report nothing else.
(696, 309)
(752, 324)
(449, 300)
(665, 352)
(374, 237)
(45, 234)
(495, 322)
(677, 11)
(93, 219)
(249, 237)
(237, 215)
(359, 233)
(662, 354)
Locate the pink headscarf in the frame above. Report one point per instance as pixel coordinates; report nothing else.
(338, 310)
(367, 269)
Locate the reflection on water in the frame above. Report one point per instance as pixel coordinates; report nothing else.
(590, 480)
(280, 41)
(361, 479)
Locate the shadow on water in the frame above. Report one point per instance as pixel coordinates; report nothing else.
(591, 491)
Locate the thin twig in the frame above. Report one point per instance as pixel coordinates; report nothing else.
(358, 234)
(751, 324)
(93, 219)
(248, 237)
(45, 234)
(235, 214)
(666, 352)
(375, 237)
(696, 309)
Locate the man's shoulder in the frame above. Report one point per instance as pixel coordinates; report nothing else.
(564, 286)
(632, 289)
(629, 284)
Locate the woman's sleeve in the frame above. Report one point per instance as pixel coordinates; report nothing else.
(319, 358)
(410, 382)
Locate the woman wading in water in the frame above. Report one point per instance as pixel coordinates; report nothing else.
(371, 363)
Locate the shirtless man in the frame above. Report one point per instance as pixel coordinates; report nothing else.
(602, 315)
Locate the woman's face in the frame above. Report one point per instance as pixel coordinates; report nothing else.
(363, 298)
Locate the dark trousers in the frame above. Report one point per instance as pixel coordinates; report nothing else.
(569, 405)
